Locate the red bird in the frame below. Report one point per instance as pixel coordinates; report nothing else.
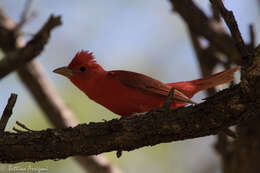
(127, 93)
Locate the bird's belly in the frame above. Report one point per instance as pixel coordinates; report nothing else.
(126, 101)
(129, 102)
(135, 103)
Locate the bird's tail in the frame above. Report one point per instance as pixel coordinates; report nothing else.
(189, 88)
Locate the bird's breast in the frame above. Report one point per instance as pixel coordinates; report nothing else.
(121, 99)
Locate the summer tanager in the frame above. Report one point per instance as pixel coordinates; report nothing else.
(127, 93)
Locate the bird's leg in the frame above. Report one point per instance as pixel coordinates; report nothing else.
(168, 101)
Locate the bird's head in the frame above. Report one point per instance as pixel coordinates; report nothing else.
(83, 65)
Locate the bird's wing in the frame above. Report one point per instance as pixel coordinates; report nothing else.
(147, 84)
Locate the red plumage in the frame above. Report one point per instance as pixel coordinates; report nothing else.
(126, 93)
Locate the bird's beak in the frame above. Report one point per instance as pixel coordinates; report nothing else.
(65, 71)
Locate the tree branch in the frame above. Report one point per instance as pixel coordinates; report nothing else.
(202, 25)
(24, 16)
(226, 108)
(32, 49)
(233, 27)
(7, 111)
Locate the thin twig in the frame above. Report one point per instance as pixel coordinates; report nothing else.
(17, 130)
(216, 14)
(25, 15)
(198, 21)
(32, 49)
(252, 36)
(233, 27)
(8, 111)
(23, 126)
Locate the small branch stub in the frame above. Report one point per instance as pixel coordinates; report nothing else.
(119, 153)
(8, 111)
(23, 126)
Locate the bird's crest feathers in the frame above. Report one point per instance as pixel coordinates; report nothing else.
(83, 58)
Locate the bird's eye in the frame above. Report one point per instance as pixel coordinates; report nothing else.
(82, 68)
